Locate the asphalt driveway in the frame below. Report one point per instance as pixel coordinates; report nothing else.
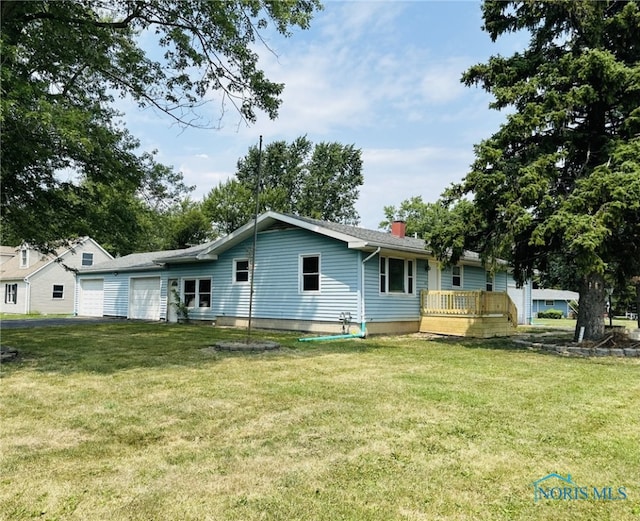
(56, 321)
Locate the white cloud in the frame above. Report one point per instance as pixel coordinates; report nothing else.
(393, 175)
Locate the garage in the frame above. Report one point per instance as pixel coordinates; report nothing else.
(91, 297)
(144, 298)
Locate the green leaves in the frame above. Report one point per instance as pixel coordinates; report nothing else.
(557, 187)
(320, 181)
(64, 62)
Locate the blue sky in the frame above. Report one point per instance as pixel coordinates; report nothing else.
(381, 75)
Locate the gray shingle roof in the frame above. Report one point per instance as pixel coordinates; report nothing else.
(138, 261)
(371, 236)
(360, 238)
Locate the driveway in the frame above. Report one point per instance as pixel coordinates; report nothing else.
(57, 321)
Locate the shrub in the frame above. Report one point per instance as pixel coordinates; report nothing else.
(550, 313)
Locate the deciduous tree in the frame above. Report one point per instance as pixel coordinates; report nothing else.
(63, 65)
(320, 181)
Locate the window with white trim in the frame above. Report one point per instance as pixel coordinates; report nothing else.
(240, 271)
(24, 258)
(10, 293)
(397, 275)
(87, 259)
(58, 291)
(310, 273)
(456, 276)
(197, 293)
(490, 282)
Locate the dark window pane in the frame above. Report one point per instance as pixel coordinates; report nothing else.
(310, 283)
(310, 265)
(396, 275)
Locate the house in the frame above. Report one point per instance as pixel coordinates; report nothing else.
(307, 274)
(7, 252)
(34, 282)
(545, 299)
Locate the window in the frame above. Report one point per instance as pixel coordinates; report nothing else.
(58, 291)
(10, 293)
(549, 302)
(24, 258)
(197, 293)
(240, 270)
(310, 273)
(456, 276)
(87, 259)
(489, 281)
(397, 275)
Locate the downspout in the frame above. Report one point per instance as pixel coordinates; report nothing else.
(363, 321)
(27, 296)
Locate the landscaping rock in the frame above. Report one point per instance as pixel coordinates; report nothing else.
(631, 352)
(617, 352)
(8, 353)
(252, 346)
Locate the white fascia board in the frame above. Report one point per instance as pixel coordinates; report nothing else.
(317, 229)
(386, 250)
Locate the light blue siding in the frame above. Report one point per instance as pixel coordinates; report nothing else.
(474, 278)
(277, 293)
(561, 305)
(385, 307)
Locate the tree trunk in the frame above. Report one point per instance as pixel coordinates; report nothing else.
(591, 307)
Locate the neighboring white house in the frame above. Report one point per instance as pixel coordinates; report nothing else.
(33, 282)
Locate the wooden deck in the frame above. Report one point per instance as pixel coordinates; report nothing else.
(481, 314)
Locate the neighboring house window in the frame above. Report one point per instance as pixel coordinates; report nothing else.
(456, 276)
(549, 302)
(397, 275)
(10, 293)
(87, 259)
(197, 293)
(241, 270)
(310, 273)
(24, 258)
(489, 281)
(58, 291)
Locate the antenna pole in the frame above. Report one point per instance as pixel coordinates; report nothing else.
(255, 236)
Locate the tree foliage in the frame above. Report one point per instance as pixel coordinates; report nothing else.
(64, 64)
(320, 181)
(441, 225)
(561, 178)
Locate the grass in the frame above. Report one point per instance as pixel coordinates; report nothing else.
(570, 324)
(142, 421)
(29, 316)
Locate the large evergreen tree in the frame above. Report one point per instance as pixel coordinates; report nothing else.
(560, 180)
(64, 62)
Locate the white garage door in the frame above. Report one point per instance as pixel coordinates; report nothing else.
(144, 299)
(91, 298)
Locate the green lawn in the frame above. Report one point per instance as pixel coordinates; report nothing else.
(143, 422)
(567, 323)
